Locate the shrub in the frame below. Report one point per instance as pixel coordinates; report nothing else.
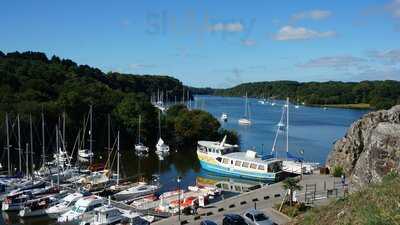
(338, 171)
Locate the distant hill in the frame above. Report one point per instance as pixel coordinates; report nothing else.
(374, 94)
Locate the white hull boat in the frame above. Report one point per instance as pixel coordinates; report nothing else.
(64, 206)
(81, 208)
(161, 147)
(140, 148)
(141, 189)
(244, 121)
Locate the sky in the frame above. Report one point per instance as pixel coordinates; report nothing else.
(213, 43)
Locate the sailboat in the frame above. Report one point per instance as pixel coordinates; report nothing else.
(86, 154)
(246, 119)
(161, 147)
(139, 147)
(291, 163)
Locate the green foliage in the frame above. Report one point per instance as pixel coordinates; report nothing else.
(338, 171)
(30, 82)
(189, 126)
(291, 184)
(376, 204)
(378, 94)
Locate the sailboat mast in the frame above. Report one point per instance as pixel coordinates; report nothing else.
(287, 125)
(19, 144)
(91, 133)
(43, 143)
(245, 108)
(140, 118)
(63, 133)
(26, 159)
(58, 158)
(31, 140)
(118, 158)
(159, 123)
(8, 146)
(109, 134)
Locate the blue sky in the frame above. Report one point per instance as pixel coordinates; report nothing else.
(214, 43)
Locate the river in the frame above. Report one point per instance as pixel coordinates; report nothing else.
(312, 129)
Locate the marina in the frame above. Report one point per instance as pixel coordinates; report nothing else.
(99, 194)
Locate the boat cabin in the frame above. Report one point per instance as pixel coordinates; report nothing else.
(216, 148)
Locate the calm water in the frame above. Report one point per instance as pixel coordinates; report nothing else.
(312, 129)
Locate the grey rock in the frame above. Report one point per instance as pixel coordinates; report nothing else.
(370, 149)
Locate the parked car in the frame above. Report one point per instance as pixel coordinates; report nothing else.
(255, 217)
(208, 222)
(233, 219)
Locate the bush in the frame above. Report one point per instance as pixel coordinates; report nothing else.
(338, 171)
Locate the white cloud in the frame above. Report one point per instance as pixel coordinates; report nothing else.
(229, 27)
(248, 42)
(394, 8)
(300, 33)
(388, 56)
(312, 14)
(336, 62)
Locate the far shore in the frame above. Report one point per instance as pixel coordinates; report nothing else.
(346, 106)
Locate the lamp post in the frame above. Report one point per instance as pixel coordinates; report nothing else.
(301, 152)
(178, 182)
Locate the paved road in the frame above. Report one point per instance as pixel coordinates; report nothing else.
(264, 198)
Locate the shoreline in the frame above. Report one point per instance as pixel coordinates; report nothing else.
(360, 106)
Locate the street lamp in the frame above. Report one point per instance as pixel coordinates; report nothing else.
(301, 152)
(178, 182)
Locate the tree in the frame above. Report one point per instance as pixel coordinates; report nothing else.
(291, 184)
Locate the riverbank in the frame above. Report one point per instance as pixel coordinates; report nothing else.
(347, 106)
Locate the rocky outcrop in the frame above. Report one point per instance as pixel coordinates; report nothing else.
(370, 149)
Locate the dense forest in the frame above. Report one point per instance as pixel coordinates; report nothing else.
(32, 83)
(377, 94)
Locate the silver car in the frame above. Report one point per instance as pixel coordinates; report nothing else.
(255, 217)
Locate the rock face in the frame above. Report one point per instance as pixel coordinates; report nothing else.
(370, 149)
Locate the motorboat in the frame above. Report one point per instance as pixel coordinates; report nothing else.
(134, 218)
(16, 201)
(224, 117)
(137, 191)
(226, 159)
(145, 202)
(104, 215)
(36, 207)
(64, 205)
(83, 206)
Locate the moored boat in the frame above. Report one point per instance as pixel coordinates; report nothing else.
(139, 190)
(64, 205)
(225, 159)
(82, 206)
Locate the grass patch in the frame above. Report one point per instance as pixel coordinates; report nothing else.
(377, 204)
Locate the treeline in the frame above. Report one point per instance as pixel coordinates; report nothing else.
(32, 83)
(378, 94)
